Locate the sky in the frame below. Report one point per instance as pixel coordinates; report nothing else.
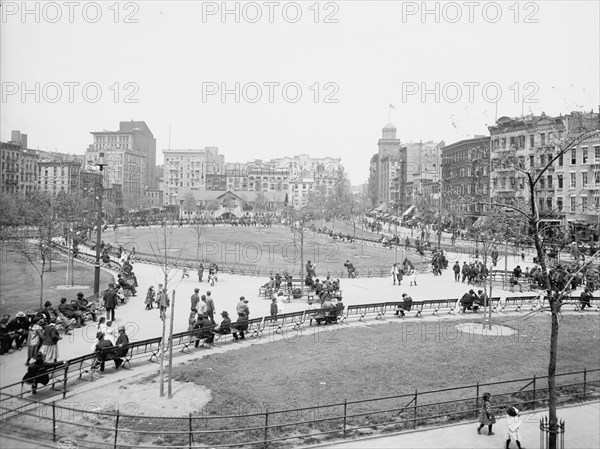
(261, 80)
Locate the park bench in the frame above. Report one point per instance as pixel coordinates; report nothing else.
(393, 306)
(55, 376)
(365, 309)
(295, 318)
(327, 315)
(517, 301)
(437, 304)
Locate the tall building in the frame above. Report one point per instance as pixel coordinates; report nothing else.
(58, 175)
(389, 155)
(466, 178)
(130, 154)
(19, 165)
(187, 169)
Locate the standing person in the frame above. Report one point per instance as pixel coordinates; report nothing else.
(465, 271)
(242, 307)
(150, 297)
(110, 302)
(273, 309)
(280, 306)
(400, 275)
(34, 339)
(163, 303)
(414, 274)
(486, 416)
(185, 273)
(50, 342)
(202, 307)
(394, 272)
(200, 272)
(195, 299)
(456, 269)
(513, 424)
(210, 307)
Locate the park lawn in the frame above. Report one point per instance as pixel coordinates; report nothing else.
(328, 365)
(20, 283)
(265, 247)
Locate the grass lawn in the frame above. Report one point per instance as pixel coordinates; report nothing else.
(328, 365)
(265, 247)
(20, 283)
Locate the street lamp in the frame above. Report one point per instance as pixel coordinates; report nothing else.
(101, 164)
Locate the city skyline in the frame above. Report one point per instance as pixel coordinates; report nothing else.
(173, 79)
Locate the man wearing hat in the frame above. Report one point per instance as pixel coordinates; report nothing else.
(195, 299)
(84, 306)
(210, 306)
(37, 372)
(70, 311)
(110, 302)
(467, 301)
(225, 326)
(103, 353)
(20, 326)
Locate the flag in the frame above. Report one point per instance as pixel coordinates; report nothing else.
(392, 106)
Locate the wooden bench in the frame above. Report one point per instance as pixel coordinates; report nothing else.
(437, 304)
(56, 375)
(365, 309)
(295, 318)
(255, 327)
(517, 301)
(396, 305)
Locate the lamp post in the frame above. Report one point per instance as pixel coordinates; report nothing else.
(101, 164)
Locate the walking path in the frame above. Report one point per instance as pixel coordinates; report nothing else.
(581, 432)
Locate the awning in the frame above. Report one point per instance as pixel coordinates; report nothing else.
(408, 211)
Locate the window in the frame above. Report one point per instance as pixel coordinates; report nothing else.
(531, 161)
(560, 160)
(573, 204)
(542, 159)
(597, 154)
(549, 177)
(573, 180)
(584, 178)
(584, 203)
(542, 183)
(584, 155)
(549, 203)
(573, 156)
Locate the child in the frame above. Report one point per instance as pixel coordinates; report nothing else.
(414, 277)
(185, 273)
(513, 423)
(486, 416)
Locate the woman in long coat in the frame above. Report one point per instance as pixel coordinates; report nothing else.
(150, 296)
(50, 342)
(486, 416)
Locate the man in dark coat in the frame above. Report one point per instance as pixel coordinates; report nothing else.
(20, 326)
(110, 302)
(467, 300)
(70, 311)
(84, 306)
(37, 372)
(104, 354)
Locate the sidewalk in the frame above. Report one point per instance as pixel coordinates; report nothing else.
(581, 432)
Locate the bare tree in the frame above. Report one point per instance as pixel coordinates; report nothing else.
(531, 219)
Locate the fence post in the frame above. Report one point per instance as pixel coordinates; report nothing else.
(345, 405)
(534, 391)
(415, 410)
(65, 381)
(54, 421)
(266, 428)
(584, 383)
(116, 429)
(191, 437)
(477, 401)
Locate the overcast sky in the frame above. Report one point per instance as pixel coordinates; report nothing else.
(167, 62)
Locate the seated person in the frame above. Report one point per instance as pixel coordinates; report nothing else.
(241, 326)
(517, 271)
(515, 281)
(121, 344)
(6, 335)
(203, 327)
(103, 354)
(85, 306)
(585, 298)
(480, 300)
(308, 281)
(225, 326)
(70, 311)
(467, 301)
(37, 372)
(51, 316)
(328, 307)
(126, 286)
(406, 307)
